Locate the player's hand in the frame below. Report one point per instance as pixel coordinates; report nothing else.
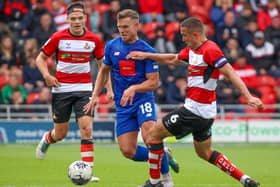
(136, 55)
(255, 102)
(51, 81)
(110, 96)
(128, 96)
(90, 106)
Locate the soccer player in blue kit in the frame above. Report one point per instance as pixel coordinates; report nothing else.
(133, 83)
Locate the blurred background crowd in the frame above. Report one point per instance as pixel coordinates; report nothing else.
(248, 32)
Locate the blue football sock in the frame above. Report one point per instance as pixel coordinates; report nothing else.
(141, 154)
(164, 164)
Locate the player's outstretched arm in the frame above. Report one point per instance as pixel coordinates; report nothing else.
(102, 78)
(43, 68)
(229, 72)
(163, 58)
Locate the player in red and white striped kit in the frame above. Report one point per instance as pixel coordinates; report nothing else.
(206, 61)
(72, 84)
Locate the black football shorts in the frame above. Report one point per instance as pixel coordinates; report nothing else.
(181, 122)
(64, 103)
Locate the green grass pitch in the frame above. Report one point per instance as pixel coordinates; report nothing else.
(18, 166)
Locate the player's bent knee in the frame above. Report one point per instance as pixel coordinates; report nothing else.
(60, 136)
(155, 135)
(203, 154)
(128, 153)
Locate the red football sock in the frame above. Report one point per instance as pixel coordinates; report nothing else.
(87, 149)
(49, 139)
(225, 165)
(155, 156)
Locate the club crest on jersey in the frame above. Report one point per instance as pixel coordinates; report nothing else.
(194, 60)
(87, 46)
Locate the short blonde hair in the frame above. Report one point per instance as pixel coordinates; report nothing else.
(128, 13)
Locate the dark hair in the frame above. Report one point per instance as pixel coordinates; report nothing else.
(76, 6)
(128, 13)
(193, 24)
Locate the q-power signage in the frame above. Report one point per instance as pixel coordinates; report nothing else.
(241, 131)
(264, 131)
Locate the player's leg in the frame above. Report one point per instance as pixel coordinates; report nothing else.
(204, 151)
(127, 133)
(87, 145)
(146, 115)
(164, 169)
(127, 130)
(176, 123)
(61, 107)
(129, 148)
(56, 134)
(156, 152)
(171, 160)
(85, 122)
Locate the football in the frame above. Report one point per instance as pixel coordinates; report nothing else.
(80, 172)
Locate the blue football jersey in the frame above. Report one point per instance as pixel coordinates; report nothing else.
(127, 72)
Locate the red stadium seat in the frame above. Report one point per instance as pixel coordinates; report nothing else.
(103, 110)
(171, 29)
(3, 81)
(150, 28)
(32, 97)
(101, 8)
(278, 81)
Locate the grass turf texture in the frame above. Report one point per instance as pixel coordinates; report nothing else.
(18, 166)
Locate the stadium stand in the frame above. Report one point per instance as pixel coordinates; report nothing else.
(259, 21)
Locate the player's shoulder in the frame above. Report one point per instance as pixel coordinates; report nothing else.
(211, 46)
(114, 42)
(92, 35)
(144, 46)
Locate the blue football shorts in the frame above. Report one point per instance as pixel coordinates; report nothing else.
(130, 119)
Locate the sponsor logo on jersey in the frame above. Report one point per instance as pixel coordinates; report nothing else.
(194, 70)
(117, 53)
(68, 45)
(75, 57)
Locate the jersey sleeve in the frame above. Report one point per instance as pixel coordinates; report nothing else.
(99, 48)
(184, 54)
(215, 57)
(107, 60)
(51, 45)
(150, 65)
